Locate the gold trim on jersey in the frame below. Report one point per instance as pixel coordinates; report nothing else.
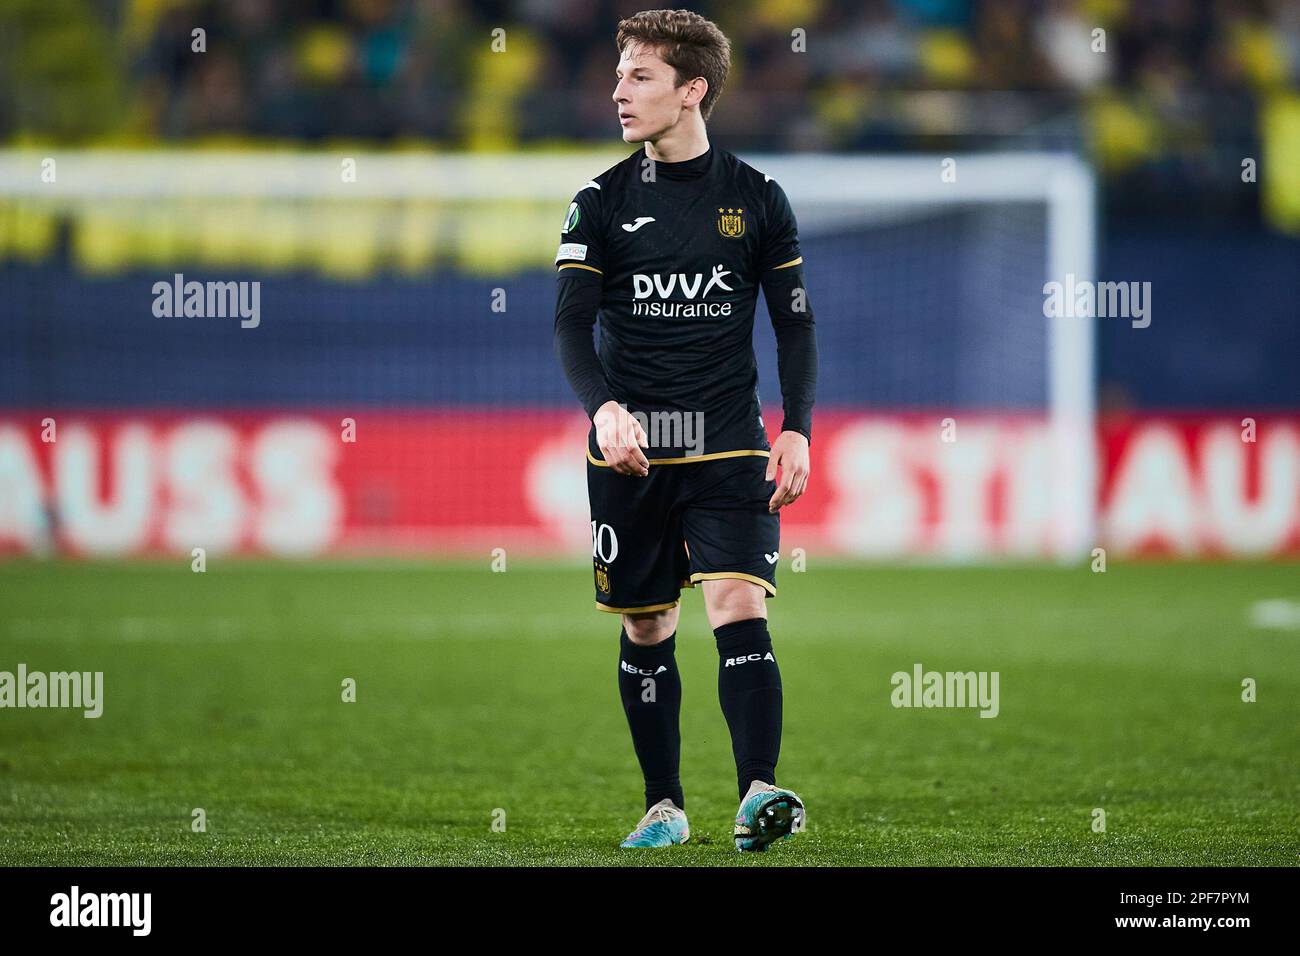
(737, 575)
(579, 265)
(637, 610)
(742, 453)
(786, 265)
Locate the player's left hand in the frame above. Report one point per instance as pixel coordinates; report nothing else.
(790, 455)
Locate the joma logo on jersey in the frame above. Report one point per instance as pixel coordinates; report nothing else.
(749, 657)
(683, 285)
(730, 222)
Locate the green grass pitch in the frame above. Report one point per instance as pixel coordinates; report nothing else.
(480, 692)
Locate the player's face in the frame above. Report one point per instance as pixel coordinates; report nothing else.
(648, 103)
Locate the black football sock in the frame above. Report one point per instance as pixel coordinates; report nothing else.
(749, 689)
(651, 689)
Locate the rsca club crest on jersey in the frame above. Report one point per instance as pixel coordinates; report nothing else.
(571, 217)
(731, 222)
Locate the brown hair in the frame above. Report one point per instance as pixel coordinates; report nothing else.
(690, 44)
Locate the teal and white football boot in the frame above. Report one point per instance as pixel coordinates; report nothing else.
(664, 824)
(767, 814)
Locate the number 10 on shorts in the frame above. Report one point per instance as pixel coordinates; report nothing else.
(604, 543)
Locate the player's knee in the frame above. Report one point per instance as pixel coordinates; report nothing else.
(652, 628)
(728, 600)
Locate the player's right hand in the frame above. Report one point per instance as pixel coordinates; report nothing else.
(620, 438)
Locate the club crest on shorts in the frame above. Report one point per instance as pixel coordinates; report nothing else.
(602, 578)
(731, 222)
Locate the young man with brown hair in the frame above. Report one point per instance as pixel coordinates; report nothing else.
(670, 247)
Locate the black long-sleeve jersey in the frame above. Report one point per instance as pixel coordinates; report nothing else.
(671, 256)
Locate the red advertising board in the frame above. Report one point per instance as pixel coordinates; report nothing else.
(467, 481)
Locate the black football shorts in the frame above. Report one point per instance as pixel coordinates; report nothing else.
(683, 523)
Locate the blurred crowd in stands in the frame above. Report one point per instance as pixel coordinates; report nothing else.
(1163, 94)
